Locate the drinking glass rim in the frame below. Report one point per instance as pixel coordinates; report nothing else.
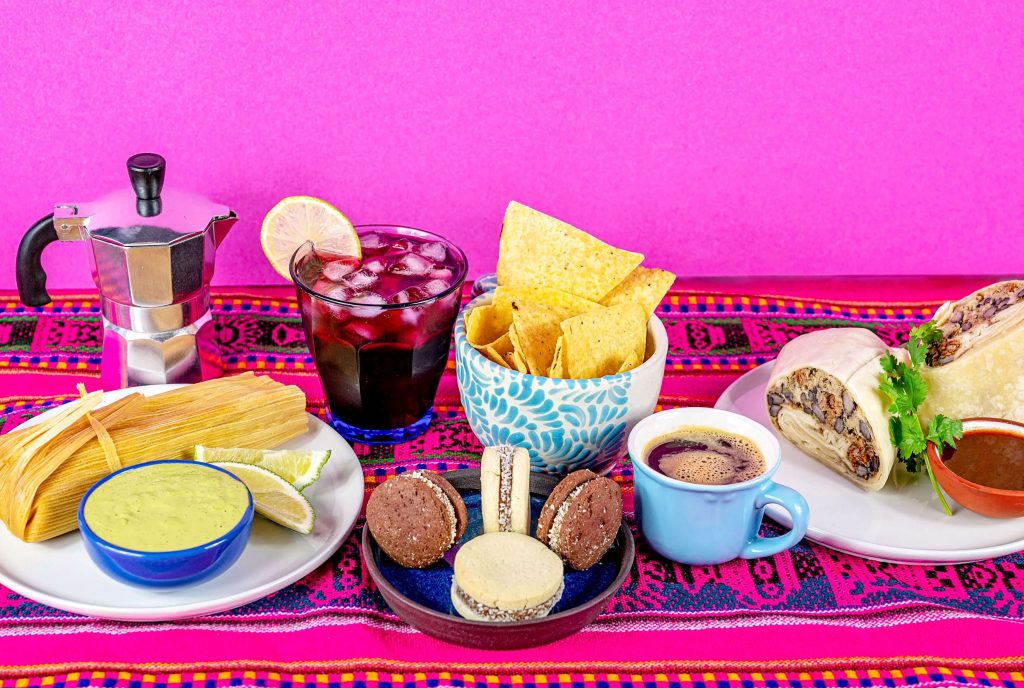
(456, 284)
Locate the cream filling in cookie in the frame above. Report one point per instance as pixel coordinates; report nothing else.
(563, 509)
(506, 456)
(494, 614)
(448, 506)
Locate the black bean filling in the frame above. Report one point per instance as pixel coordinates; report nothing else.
(983, 307)
(820, 395)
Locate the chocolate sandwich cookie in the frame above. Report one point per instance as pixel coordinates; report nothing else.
(416, 517)
(580, 518)
(506, 577)
(505, 489)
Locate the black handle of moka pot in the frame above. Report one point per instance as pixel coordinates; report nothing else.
(31, 277)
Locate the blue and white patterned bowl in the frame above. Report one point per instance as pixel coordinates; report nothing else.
(565, 424)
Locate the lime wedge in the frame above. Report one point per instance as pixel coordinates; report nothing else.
(298, 219)
(300, 468)
(274, 497)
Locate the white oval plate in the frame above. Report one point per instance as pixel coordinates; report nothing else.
(903, 524)
(59, 573)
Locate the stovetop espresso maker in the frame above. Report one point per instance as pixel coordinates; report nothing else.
(152, 252)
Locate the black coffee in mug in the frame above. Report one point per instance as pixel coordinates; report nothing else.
(706, 456)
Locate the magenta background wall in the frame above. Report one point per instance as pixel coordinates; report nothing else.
(718, 138)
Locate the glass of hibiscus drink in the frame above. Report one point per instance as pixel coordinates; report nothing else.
(380, 328)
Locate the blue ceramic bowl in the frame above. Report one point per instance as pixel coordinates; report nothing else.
(565, 424)
(164, 569)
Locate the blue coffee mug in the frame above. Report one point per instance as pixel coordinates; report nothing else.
(710, 524)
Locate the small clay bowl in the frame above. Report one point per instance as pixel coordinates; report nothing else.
(987, 501)
(586, 592)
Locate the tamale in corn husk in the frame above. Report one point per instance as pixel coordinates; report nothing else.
(46, 468)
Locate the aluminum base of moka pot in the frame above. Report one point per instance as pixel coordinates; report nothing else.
(183, 356)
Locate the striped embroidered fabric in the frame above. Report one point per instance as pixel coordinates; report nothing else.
(714, 337)
(849, 678)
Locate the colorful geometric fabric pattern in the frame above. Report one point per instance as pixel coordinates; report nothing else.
(713, 338)
(848, 678)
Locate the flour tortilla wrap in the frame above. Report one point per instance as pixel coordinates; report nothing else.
(823, 397)
(977, 369)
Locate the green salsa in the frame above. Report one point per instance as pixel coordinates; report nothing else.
(166, 507)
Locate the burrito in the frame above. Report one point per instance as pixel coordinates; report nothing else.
(823, 397)
(977, 368)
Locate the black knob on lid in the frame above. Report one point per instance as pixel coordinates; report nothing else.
(146, 170)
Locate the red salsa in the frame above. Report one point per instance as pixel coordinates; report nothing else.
(989, 457)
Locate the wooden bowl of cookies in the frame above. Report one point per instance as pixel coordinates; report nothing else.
(422, 596)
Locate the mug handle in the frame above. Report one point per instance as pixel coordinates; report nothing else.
(793, 502)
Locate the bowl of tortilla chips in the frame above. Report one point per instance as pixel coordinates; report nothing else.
(566, 354)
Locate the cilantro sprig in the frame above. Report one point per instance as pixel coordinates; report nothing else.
(907, 389)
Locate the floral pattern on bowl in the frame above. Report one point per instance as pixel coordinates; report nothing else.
(565, 424)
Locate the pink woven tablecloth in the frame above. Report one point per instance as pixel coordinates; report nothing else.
(810, 616)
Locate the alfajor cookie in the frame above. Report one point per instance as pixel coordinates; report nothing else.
(416, 517)
(506, 577)
(581, 518)
(505, 489)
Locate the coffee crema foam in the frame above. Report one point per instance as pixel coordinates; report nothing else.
(706, 456)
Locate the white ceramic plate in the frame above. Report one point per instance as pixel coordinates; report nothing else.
(59, 573)
(903, 524)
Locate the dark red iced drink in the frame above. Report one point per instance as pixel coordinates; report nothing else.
(380, 328)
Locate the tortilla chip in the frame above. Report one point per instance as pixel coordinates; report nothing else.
(485, 324)
(600, 342)
(535, 330)
(632, 361)
(644, 286)
(557, 361)
(537, 250)
(563, 303)
(497, 349)
(516, 362)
